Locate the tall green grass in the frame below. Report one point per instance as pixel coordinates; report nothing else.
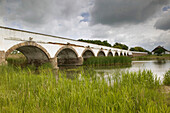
(166, 79)
(22, 90)
(105, 61)
(17, 61)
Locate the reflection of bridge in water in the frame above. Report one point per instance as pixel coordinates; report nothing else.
(40, 48)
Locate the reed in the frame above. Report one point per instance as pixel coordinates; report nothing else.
(22, 90)
(166, 79)
(17, 61)
(106, 61)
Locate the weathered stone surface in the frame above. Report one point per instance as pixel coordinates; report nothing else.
(2, 58)
(88, 54)
(54, 62)
(101, 53)
(80, 61)
(31, 49)
(55, 66)
(110, 54)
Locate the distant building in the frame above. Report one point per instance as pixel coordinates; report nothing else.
(165, 50)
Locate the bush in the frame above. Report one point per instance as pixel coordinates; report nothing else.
(166, 80)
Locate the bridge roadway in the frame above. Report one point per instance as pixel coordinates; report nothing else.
(40, 48)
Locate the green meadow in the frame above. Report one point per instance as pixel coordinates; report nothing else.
(22, 89)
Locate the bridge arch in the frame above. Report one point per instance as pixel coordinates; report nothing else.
(101, 53)
(109, 53)
(87, 53)
(125, 54)
(121, 54)
(116, 53)
(34, 52)
(67, 55)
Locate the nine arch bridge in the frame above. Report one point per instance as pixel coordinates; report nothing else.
(40, 48)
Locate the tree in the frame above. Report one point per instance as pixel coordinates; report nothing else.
(105, 43)
(132, 49)
(99, 42)
(120, 46)
(140, 49)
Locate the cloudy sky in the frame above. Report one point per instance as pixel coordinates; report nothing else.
(143, 23)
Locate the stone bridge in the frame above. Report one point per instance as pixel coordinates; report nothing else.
(40, 48)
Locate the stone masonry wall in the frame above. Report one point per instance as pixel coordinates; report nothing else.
(2, 58)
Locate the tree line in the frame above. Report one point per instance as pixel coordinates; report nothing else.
(116, 45)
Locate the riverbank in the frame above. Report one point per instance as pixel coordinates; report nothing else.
(24, 90)
(152, 57)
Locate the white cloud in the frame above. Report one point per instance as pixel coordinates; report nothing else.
(144, 35)
(63, 18)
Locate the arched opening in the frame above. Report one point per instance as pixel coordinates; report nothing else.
(67, 56)
(116, 54)
(110, 54)
(34, 53)
(125, 54)
(101, 54)
(121, 54)
(16, 58)
(87, 54)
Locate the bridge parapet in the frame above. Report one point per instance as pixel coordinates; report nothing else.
(136, 53)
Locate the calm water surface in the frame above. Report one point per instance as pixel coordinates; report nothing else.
(156, 67)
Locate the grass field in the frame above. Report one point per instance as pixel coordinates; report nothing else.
(24, 90)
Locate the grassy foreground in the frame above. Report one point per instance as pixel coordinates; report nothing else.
(106, 61)
(22, 90)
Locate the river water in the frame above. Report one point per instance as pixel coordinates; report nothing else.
(158, 68)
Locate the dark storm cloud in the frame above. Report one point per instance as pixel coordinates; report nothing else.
(164, 22)
(37, 12)
(124, 11)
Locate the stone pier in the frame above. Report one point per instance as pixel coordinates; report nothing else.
(2, 58)
(55, 66)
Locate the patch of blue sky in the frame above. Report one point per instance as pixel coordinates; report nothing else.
(85, 17)
(166, 8)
